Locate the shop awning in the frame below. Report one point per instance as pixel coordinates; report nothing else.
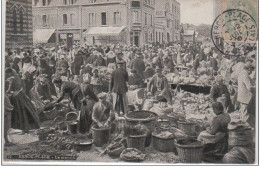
(104, 31)
(42, 35)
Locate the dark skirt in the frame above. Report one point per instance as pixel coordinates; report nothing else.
(24, 116)
(217, 150)
(85, 120)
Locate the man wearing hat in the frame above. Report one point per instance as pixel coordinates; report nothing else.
(246, 94)
(219, 92)
(138, 63)
(158, 82)
(120, 59)
(118, 85)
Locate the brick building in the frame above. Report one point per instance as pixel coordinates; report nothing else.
(94, 21)
(18, 30)
(167, 21)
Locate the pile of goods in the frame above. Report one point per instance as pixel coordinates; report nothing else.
(132, 155)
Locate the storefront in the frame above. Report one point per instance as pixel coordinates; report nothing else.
(105, 35)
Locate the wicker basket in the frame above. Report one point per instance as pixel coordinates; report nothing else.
(189, 154)
(50, 114)
(190, 128)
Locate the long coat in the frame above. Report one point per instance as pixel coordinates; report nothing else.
(118, 81)
(244, 84)
(78, 62)
(138, 65)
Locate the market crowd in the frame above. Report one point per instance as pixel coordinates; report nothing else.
(96, 80)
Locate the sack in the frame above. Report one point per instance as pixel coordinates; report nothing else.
(240, 155)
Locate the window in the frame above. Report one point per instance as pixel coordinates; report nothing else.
(15, 21)
(65, 19)
(21, 21)
(92, 20)
(117, 19)
(93, 1)
(103, 18)
(145, 18)
(135, 17)
(151, 20)
(135, 4)
(72, 19)
(44, 20)
(65, 2)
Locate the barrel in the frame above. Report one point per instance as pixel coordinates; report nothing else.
(101, 136)
(240, 137)
(146, 118)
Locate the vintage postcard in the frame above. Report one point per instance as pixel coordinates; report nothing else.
(120, 82)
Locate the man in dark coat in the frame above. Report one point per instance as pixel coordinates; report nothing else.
(219, 92)
(138, 64)
(78, 62)
(118, 85)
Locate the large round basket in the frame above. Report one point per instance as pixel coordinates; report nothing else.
(146, 118)
(190, 128)
(163, 144)
(190, 153)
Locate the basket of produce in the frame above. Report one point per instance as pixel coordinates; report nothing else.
(83, 145)
(163, 141)
(240, 135)
(101, 135)
(43, 133)
(132, 155)
(115, 149)
(189, 127)
(146, 118)
(189, 150)
(50, 112)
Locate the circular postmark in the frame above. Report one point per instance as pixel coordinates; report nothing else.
(234, 32)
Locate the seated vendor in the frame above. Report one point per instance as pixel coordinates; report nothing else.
(215, 137)
(158, 86)
(102, 114)
(135, 79)
(157, 83)
(219, 92)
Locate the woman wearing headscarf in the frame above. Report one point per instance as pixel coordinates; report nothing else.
(24, 115)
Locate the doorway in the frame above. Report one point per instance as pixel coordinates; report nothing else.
(136, 40)
(69, 40)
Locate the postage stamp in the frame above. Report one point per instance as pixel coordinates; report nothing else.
(233, 29)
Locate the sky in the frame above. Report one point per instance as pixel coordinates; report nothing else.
(197, 11)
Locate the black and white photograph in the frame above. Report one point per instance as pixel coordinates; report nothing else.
(130, 82)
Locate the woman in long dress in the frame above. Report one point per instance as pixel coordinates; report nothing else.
(24, 116)
(88, 101)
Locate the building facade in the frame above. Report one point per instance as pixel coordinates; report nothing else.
(93, 21)
(18, 28)
(167, 21)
